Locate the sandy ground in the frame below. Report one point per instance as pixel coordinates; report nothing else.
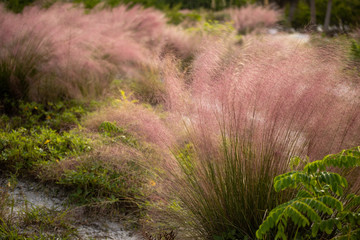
(32, 194)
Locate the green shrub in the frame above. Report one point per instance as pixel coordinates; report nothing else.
(23, 148)
(320, 210)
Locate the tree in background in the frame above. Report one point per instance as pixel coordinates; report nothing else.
(327, 16)
(339, 13)
(312, 12)
(293, 6)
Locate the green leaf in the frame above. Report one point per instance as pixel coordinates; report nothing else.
(334, 180)
(332, 202)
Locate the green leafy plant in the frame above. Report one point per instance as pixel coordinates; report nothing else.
(59, 116)
(22, 149)
(320, 209)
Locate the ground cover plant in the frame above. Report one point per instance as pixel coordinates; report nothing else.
(183, 129)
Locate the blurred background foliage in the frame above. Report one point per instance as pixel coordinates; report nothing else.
(343, 12)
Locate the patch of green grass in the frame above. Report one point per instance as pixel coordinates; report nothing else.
(100, 184)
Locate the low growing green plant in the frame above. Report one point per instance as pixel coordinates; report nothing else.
(117, 133)
(58, 116)
(320, 210)
(21, 149)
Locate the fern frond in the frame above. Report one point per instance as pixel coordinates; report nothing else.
(352, 235)
(318, 201)
(317, 205)
(296, 216)
(315, 166)
(329, 225)
(332, 202)
(269, 222)
(345, 159)
(303, 206)
(304, 194)
(291, 180)
(354, 201)
(334, 180)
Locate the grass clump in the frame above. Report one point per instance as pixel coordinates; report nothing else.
(227, 192)
(95, 181)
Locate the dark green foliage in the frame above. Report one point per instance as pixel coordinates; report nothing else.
(319, 210)
(344, 12)
(58, 116)
(16, 5)
(176, 17)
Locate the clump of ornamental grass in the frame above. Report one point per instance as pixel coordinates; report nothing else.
(252, 111)
(140, 121)
(246, 19)
(63, 53)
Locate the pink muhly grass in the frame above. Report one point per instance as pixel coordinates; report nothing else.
(277, 77)
(178, 42)
(253, 113)
(252, 16)
(143, 123)
(176, 96)
(83, 51)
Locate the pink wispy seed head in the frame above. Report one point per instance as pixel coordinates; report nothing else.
(178, 42)
(273, 92)
(252, 16)
(141, 122)
(83, 47)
